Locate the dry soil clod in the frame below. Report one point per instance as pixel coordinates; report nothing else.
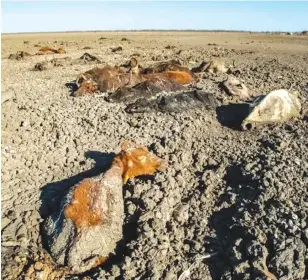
(117, 49)
(19, 55)
(7, 95)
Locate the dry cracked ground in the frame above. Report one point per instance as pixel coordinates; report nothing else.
(240, 196)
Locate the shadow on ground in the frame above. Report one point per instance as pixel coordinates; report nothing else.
(72, 87)
(52, 193)
(232, 115)
(226, 222)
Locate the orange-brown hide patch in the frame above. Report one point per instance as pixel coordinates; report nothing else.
(80, 210)
(47, 49)
(100, 260)
(60, 50)
(139, 161)
(86, 87)
(180, 77)
(100, 74)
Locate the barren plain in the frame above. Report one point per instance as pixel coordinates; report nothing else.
(240, 196)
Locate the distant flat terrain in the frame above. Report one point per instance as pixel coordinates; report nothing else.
(247, 40)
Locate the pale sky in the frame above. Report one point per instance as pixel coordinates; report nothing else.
(44, 16)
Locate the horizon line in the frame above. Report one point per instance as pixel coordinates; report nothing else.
(153, 30)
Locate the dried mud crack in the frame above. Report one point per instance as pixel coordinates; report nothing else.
(240, 194)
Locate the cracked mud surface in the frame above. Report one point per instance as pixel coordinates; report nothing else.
(241, 194)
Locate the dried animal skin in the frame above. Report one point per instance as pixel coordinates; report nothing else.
(275, 107)
(112, 78)
(89, 57)
(81, 211)
(47, 50)
(137, 160)
(87, 87)
(102, 73)
(235, 88)
(213, 66)
(134, 66)
(177, 103)
(96, 78)
(88, 225)
(165, 66)
(126, 79)
(40, 66)
(183, 78)
(146, 89)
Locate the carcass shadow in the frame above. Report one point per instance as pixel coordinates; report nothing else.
(226, 222)
(52, 193)
(72, 86)
(232, 115)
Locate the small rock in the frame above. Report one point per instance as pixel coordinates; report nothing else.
(180, 214)
(38, 266)
(117, 49)
(212, 162)
(4, 222)
(7, 95)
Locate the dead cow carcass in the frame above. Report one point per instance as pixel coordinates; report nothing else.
(111, 78)
(236, 88)
(177, 103)
(86, 58)
(214, 66)
(47, 50)
(145, 90)
(95, 79)
(88, 224)
(55, 62)
(160, 67)
(276, 107)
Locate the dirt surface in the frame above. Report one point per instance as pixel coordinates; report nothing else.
(241, 195)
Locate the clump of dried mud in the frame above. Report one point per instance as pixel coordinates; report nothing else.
(240, 194)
